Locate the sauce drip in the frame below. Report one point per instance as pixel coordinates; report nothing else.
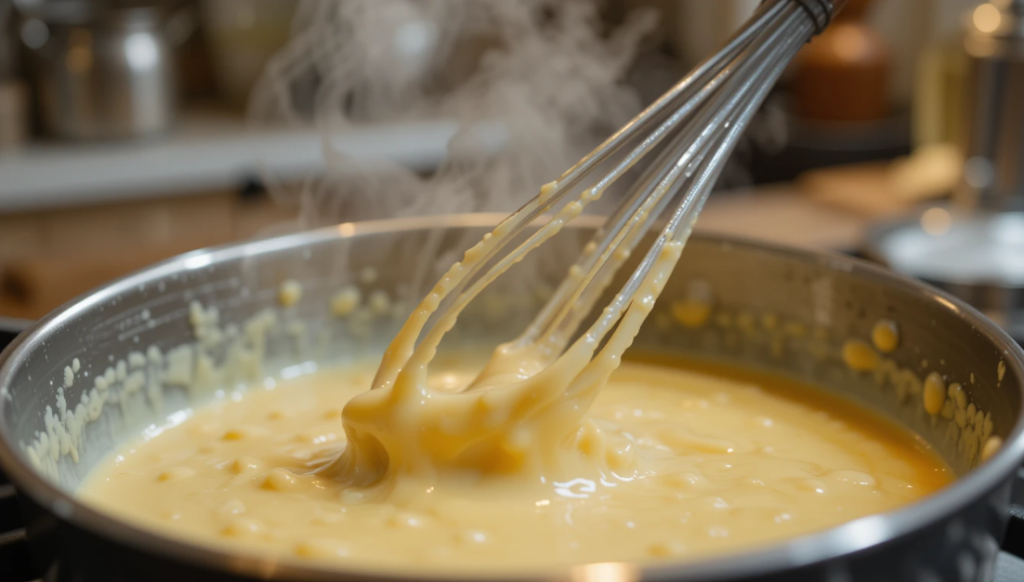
(517, 418)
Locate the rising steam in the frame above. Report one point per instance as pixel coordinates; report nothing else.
(548, 75)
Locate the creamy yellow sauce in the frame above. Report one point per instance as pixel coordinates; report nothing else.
(670, 463)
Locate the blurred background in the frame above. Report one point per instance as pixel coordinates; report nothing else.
(133, 131)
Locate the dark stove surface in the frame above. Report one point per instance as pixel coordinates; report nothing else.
(14, 560)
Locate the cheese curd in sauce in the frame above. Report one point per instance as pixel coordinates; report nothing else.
(671, 461)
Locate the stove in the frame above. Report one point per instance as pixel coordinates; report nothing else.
(16, 564)
(14, 559)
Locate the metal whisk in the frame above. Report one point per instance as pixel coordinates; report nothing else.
(690, 131)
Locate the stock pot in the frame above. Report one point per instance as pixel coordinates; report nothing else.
(101, 72)
(782, 310)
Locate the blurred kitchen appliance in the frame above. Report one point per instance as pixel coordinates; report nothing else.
(993, 136)
(975, 249)
(100, 72)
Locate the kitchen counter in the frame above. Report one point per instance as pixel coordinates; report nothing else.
(781, 214)
(206, 152)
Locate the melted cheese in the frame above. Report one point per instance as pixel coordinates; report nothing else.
(530, 396)
(668, 464)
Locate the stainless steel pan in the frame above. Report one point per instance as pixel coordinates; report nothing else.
(783, 310)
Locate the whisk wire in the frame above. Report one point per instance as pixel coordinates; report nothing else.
(682, 93)
(680, 225)
(611, 247)
(702, 118)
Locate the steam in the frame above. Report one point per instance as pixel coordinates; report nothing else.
(546, 72)
(548, 75)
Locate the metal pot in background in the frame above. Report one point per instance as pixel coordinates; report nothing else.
(101, 73)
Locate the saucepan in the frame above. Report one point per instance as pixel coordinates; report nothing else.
(786, 311)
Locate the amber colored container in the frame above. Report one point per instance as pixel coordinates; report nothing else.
(843, 74)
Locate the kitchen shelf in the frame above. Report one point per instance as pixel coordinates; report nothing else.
(205, 152)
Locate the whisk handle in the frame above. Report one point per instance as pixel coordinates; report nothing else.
(820, 11)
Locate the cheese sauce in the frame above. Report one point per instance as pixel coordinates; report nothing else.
(669, 462)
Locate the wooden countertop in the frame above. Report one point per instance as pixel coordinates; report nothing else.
(781, 214)
(69, 252)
